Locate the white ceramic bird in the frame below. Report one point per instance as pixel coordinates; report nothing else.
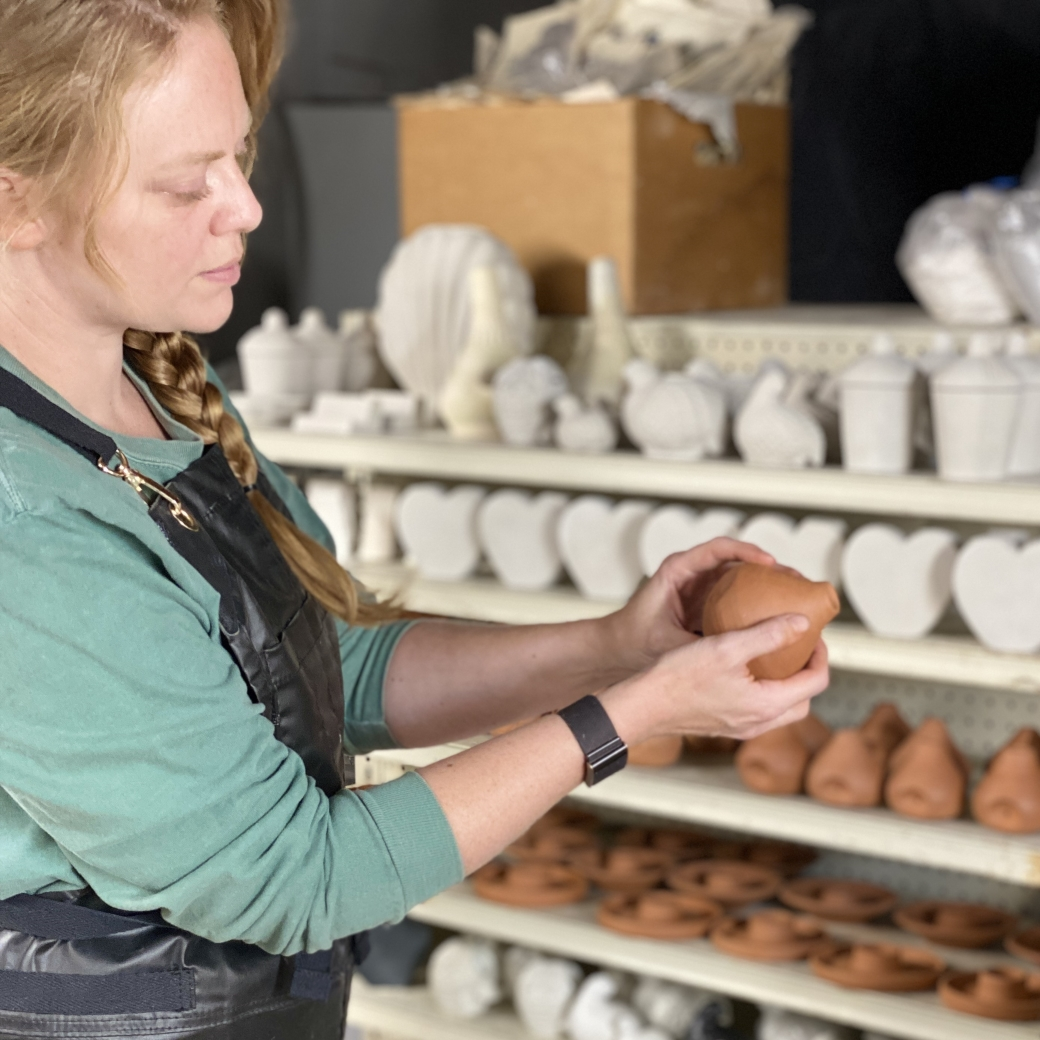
(580, 428)
(772, 432)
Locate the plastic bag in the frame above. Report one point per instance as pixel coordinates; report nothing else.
(1016, 246)
(945, 259)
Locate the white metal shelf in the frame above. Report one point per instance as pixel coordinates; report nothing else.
(958, 660)
(435, 455)
(572, 932)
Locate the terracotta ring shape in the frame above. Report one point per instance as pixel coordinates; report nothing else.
(659, 915)
(530, 885)
(784, 856)
(772, 935)
(729, 882)
(966, 925)
(629, 869)
(1025, 945)
(554, 844)
(1003, 993)
(889, 969)
(838, 900)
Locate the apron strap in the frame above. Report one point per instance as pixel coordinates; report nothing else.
(58, 919)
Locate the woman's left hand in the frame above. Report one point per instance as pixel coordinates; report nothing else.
(666, 612)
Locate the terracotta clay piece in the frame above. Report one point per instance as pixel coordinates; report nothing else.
(750, 593)
(533, 884)
(729, 882)
(890, 969)
(711, 745)
(1004, 993)
(565, 816)
(659, 915)
(772, 935)
(1025, 945)
(1008, 796)
(682, 845)
(785, 856)
(838, 900)
(927, 775)
(627, 869)
(553, 844)
(776, 762)
(885, 728)
(966, 925)
(656, 753)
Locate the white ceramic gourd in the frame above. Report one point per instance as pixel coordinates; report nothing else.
(328, 356)
(899, 585)
(588, 429)
(812, 546)
(273, 362)
(877, 411)
(424, 311)
(376, 541)
(975, 403)
(334, 502)
(1024, 457)
(360, 363)
(462, 975)
(517, 532)
(523, 391)
(437, 529)
(542, 994)
(597, 371)
(676, 528)
(599, 544)
(772, 432)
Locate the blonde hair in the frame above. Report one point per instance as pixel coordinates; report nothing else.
(65, 68)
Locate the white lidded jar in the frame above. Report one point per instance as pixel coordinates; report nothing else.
(975, 403)
(327, 351)
(273, 363)
(1024, 460)
(877, 411)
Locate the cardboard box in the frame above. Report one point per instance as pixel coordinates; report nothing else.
(630, 179)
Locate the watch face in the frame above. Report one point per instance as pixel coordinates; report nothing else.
(606, 761)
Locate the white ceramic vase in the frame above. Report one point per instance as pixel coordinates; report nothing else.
(437, 529)
(773, 432)
(1024, 457)
(462, 975)
(676, 528)
(326, 349)
(523, 391)
(517, 532)
(376, 541)
(598, 369)
(591, 430)
(273, 363)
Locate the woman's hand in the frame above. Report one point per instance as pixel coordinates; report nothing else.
(666, 612)
(705, 687)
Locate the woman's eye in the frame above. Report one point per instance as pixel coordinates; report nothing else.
(193, 196)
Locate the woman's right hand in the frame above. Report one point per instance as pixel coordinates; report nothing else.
(706, 688)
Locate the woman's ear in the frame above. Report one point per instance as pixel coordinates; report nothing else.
(20, 227)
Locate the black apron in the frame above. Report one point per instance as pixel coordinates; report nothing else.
(70, 966)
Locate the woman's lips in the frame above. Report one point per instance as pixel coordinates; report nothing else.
(227, 275)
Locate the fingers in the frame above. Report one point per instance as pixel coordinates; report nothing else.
(813, 679)
(711, 554)
(747, 644)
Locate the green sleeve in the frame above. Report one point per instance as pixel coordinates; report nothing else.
(130, 740)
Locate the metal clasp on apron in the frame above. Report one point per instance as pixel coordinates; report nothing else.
(142, 484)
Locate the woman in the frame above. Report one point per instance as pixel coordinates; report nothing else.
(182, 663)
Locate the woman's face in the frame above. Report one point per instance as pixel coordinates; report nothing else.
(173, 231)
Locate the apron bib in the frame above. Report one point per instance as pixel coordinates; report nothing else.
(70, 966)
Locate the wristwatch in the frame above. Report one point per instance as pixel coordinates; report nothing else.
(605, 752)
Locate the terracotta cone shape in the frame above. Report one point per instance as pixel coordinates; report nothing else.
(965, 925)
(838, 900)
(628, 869)
(885, 728)
(776, 762)
(927, 776)
(1003, 993)
(1025, 945)
(533, 884)
(729, 882)
(749, 593)
(848, 771)
(659, 915)
(772, 935)
(890, 969)
(711, 745)
(1008, 796)
(553, 844)
(658, 752)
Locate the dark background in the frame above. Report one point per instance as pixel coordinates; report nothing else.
(892, 101)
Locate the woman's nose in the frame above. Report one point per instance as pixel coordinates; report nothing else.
(242, 211)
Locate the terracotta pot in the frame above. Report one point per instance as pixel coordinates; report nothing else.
(729, 882)
(749, 593)
(784, 856)
(711, 745)
(966, 925)
(776, 762)
(1008, 796)
(656, 753)
(890, 969)
(553, 844)
(1025, 944)
(772, 935)
(533, 884)
(927, 775)
(838, 900)
(627, 869)
(885, 728)
(848, 771)
(1004, 993)
(659, 915)
(682, 845)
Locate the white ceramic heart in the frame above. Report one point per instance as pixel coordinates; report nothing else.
(544, 989)
(334, 502)
(523, 391)
(462, 975)
(996, 586)
(899, 585)
(437, 529)
(675, 528)
(517, 532)
(599, 544)
(812, 546)
(376, 542)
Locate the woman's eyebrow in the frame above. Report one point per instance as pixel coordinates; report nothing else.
(200, 158)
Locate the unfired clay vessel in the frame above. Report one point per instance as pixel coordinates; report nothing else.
(1026, 944)
(771, 935)
(838, 899)
(776, 762)
(1008, 796)
(965, 925)
(890, 969)
(626, 868)
(659, 914)
(553, 843)
(1002, 993)
(749, 593)
(532, 884)
(927, 775)
(729, 882)
(657, 752)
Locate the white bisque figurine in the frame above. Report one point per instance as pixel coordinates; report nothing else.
(376, 542)
(772, 432)
(542, 994)
(273, 363)
(975, 403)
(596, 1014)
(463, 977)
(340, 415)
(336, 506)
(942, 352)
(598, 368)
(591, 429)
(437, 529)
(676, 528)
(996, 586)
(818, 394)
(674, 1009)
(465, 403)
(777, 1024)
(517, 531)
(599, 544)
(424, 312)
(813, 546)
(877, 411)
(360, 363)
(671, 415)
(523, 391)
(327, 352)
(899, 585)
(1024, 459)
(514, 960)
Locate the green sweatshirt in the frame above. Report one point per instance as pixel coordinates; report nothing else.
(132, 759)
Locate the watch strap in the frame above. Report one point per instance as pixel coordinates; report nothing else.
(605, 752)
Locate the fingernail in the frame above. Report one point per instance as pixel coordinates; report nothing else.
(800, 623)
